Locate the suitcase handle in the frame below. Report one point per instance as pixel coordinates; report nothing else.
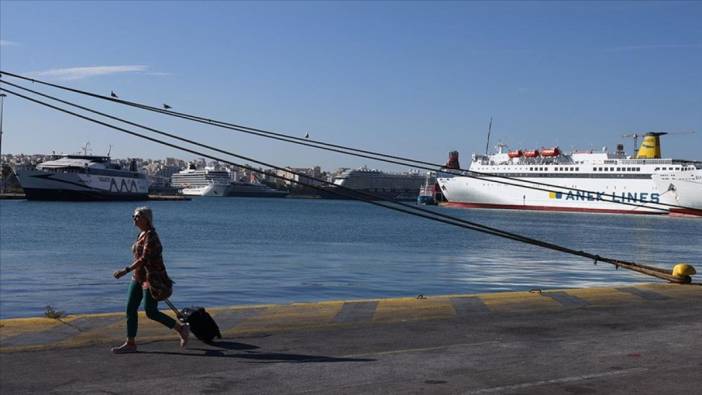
(175, 310)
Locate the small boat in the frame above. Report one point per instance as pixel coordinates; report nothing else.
(427, 192)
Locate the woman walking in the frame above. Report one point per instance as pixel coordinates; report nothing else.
(147, 256)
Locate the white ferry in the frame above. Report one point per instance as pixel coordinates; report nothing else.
(202, 182)
(83, 177)
(581, 181)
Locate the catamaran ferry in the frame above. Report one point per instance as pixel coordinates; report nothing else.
(83, 177)
(643, 183)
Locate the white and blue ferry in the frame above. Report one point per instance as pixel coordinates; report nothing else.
(582, 181)
(83, 177)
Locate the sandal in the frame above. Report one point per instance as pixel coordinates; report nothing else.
(125, 349)
(184, 333)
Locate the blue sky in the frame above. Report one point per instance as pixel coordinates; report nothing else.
(408, 78)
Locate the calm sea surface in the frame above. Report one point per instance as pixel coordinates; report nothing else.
(226, 251)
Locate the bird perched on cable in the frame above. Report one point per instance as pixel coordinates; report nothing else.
(113, 94)
(307, 135)
(166, 106)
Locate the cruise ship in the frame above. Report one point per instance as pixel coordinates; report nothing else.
(202, 182)
(83, 177)
(582, 181)
(393, 186)
(253, 189)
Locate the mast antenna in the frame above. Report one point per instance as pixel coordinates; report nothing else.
(487, 145)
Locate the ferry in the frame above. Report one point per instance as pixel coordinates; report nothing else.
(83, 177)
(602, 182)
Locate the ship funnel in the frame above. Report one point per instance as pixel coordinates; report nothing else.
(650, 146)
(452, 161)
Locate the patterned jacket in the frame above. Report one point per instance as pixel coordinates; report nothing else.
(147, 255)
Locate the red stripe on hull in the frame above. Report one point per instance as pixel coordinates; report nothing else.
(685, 212)
(547, 208)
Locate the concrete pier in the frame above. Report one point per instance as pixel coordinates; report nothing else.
(643, 339)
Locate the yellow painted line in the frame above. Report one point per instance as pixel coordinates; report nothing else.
(18, 326)
(413, 309)
(519, 301)
(603, 296)
(293, 316)
(273, 318)
(674, 290)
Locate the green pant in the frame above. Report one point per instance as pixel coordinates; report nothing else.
(136, 293)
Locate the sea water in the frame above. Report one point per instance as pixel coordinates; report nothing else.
(234, 251)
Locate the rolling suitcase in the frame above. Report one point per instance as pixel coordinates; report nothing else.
(201, 323)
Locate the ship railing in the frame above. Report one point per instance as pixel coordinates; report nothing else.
(644, 161)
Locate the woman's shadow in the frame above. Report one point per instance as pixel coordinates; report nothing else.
(222, 349)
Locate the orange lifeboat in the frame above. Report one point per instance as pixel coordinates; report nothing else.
(514, 154)
(550, 152)
(531, 154)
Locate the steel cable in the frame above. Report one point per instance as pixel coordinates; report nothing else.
(368, 198)
(355, 152)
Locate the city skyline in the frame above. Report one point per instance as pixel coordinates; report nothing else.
(410, 79)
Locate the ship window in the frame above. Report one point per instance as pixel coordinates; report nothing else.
(577, 169)
(606, 169)
(657, 168)
(619, 169)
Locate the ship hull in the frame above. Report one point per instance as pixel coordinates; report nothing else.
(387, 194)
(275, 194)
(640, 195)
(211, 190)
(41, 185)
(684, 189)
(546, 208)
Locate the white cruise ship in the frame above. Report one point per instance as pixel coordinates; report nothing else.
(202, 182)
(585, 181)
(83, 177)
